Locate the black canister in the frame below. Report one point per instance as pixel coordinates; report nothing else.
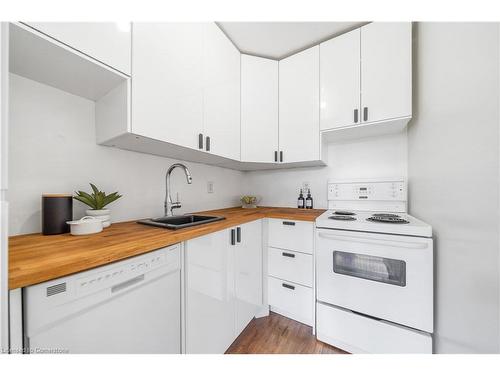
(57, 209)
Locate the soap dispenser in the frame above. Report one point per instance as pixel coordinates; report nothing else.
(300, 200)
(309, 200)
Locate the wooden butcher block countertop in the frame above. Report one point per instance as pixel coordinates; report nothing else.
(35, 258)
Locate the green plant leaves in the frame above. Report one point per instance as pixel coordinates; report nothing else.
(98, 199)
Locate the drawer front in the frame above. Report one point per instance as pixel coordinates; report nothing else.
(290, 299)
(290, 265)
(360, 334)
(291, 235)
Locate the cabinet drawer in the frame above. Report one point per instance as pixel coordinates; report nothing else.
(360, 334)
(291, 235)
(290, 299)
(291, 265)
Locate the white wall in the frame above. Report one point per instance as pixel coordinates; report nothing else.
(453, 170)
(53, 150)
(384, 156)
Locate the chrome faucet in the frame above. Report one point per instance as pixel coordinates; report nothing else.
(169, 205)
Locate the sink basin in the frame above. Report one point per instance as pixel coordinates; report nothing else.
(180, 221)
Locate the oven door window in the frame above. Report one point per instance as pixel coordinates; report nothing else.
(383, 270)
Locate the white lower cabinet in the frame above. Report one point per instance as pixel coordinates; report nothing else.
(223, 286)
(296, 235)
(290, 269)
(291, 299)
(248, 272)
(291, 265)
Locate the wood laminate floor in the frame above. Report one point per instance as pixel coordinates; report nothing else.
(275, 334)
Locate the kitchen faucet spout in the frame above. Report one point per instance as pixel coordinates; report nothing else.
(169, 205)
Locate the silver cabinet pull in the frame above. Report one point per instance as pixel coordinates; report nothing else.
(365, 114)
(126, 284)
(356, 116)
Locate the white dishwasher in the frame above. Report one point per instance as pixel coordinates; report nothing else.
(132, 306)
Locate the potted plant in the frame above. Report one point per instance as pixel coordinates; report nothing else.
(249, 201)
(97, 201)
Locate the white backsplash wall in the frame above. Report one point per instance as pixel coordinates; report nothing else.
(53, 150)
(453, 166)
(384, 156)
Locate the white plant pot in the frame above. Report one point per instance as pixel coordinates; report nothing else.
(103, 215)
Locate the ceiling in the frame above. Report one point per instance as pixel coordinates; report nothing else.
(277, 40)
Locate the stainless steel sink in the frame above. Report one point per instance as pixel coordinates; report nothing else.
(180, 221)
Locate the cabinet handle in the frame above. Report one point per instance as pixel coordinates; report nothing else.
(200, 141)
(238, 234)
(276, 156)
(356, 115)
(281, 156)
(365, 114)
(207, 144)
(233, 241)
(288, 223)
(288, 286)
(289, 255)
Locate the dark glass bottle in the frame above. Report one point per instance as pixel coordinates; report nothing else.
(300, 200)
(309, 200)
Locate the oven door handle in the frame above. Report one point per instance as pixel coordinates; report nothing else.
(406, 245)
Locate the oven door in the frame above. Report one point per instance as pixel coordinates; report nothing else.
(384, 276)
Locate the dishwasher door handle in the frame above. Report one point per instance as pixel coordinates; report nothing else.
(126, 284)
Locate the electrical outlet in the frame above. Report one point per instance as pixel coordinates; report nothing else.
(305, 186)
(210, 187)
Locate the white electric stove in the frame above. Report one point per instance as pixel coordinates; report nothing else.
(374, 222)
(374, 270)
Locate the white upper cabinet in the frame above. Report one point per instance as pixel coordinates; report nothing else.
(366, 78)
(340, 81)
(299, 107)
(221, 94)
(167, 83)
(386, 71)
(259, 109)
(186, 86)
(107, 42)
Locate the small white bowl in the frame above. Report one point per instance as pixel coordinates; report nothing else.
(86, 225)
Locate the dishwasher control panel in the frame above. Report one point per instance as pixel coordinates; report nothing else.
(109, 277)
(113, 277)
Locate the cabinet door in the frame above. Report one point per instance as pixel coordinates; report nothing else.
(259, 109)
(108, 42)
(221, 93)
(167, 83)
(248, 273)
(385, 71)
(340, 81)
(210, 302)
(299, 106)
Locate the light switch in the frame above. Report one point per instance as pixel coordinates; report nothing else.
(210, 187)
